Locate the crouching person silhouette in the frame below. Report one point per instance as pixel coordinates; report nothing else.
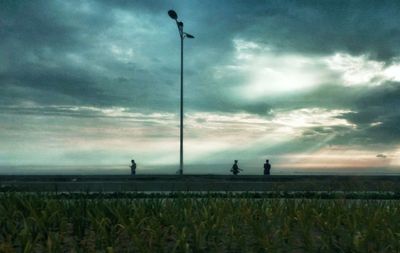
(235, 168)
(133, 167)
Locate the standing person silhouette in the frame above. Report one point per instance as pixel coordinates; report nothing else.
(133, 167)
(267, 168)
(235, 168)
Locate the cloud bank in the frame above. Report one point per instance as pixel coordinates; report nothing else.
(87, 82)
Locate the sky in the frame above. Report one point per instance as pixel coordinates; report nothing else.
(309, 85)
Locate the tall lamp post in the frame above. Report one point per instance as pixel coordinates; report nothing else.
(183, 35)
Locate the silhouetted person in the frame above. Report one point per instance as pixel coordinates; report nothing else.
(133, 167)
(267, 167)
(235, 168)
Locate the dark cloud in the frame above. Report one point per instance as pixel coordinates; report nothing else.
(376, 116)
(325, 27)
(321, 131)
(57, 53)
(43, 28)
(381, 156)
(41, 38)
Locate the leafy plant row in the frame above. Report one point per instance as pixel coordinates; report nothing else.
(43, 223)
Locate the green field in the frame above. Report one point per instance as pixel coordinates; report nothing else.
(195, 223)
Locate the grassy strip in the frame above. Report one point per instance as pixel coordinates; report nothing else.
(85, 223)
(228, 195)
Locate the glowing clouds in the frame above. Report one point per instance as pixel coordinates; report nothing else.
(311, 117)
(254, 131)
(360, 70)
(393, 72)
(260, 71)
(269, 73)
(336, 157)
(122, 54)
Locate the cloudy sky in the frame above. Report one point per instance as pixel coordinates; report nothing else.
(310, 85)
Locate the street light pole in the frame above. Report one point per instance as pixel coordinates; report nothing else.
(181, 126)
(182, 35)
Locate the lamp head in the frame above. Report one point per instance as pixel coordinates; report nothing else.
(189, 36)
(173, 14)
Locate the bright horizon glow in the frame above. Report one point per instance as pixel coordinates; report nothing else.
(206, 133)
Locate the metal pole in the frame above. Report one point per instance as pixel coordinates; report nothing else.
(181, 144)
(172, 14)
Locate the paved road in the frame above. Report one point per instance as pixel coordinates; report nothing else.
(117, 183)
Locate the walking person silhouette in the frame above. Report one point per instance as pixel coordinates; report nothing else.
(235, 168)
(133, 167)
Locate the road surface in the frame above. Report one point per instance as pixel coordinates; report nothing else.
(203, 183)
